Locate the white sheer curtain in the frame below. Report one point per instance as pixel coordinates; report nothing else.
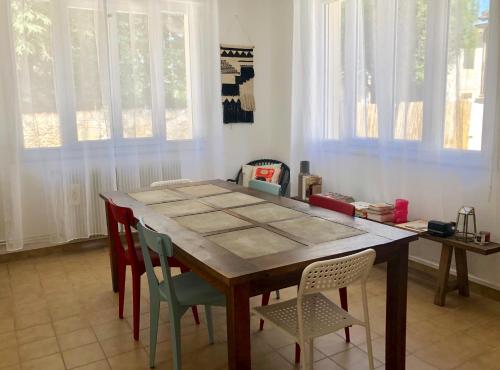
(99, 95)
(397, 99)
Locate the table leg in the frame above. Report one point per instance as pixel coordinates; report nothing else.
(395, 330)
(462, 272)
(238, 328)
(112, 255)
(443, 275)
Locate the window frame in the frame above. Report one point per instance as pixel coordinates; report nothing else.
(434, 90)
(64, 85)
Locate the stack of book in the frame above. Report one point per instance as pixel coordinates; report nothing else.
(381, 212)
(361, 209)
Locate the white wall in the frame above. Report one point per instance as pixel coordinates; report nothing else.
(267, 25)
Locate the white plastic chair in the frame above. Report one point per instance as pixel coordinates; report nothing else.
(312, 314)
(169, 182)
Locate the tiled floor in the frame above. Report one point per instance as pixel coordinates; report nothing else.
(58, 312)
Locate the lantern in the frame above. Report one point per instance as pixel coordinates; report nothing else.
(465, 216)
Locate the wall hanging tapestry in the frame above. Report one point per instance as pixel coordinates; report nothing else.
(237, 83)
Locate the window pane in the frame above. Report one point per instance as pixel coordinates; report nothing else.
(366, 99)
(32, 25)
(90, 116)
(177, 100)
(468, 24)
(135, 76)
(411, 30)
(335, 71)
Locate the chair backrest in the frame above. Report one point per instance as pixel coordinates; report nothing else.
(264, 186)
(332, 204)
(124, 216)
(169, 182)
(162, 245)
(336, 273)
(283, 180)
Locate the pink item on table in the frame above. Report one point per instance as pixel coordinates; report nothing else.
(400, 211)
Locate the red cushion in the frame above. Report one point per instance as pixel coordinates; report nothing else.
(331, 204)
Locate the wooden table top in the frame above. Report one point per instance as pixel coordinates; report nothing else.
(230, 268)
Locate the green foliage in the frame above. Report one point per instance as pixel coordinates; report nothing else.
(462, 32)
(421, 41)
(31, 24)
(174, 61)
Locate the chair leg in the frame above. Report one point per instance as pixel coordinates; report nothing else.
(136, 302)
(277, 294)
(311, 353)
(154, 313)
(194, 309)
(343, 304)
(297, 353)
(369, 346)
(305, 358)
(265, 302)
(175, 330)
(210, 325)
(122, 271)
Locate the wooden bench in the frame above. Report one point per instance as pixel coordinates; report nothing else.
(460, 247)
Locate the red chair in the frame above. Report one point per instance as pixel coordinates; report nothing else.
(132, 256)
(347, 209)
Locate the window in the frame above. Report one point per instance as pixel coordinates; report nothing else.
(466, 52)
(385, 79)
(90, 114)
(409, 69)
(175, 72)
(32, 25)
(135, 74)
(84, 78)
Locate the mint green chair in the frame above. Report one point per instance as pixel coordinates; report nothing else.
(267, 187)
(181, 292)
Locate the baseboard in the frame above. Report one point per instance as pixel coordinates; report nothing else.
(35, 251)
(425, 272)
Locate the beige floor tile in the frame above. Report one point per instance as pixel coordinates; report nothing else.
(99, 365)
(30, 319)
(414, 363)
(102, 317)
(70, 324)
(8, 357)
(326, 364)
(112, 329)
(76, 339)
(288, 352)
(353, 358)
(83, 355)
(6, 324)
(35, 333)
(38, 349)
(489, 360)
(452, 351)
(8, 340)
(331, 344)
(133, 360)
(52, 362)
(163, 334)
(465, 333)
(275, 337)
(119, 344)
(272, 361)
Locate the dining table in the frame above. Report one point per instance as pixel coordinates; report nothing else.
(246, 242)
